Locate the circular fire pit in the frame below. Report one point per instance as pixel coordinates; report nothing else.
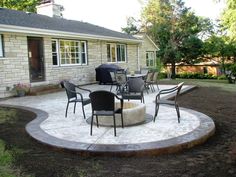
(133, 113)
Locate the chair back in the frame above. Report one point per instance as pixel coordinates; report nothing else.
(120, 78)
(149, 77)
(135, 85)
(112, 74)
(70, 89)
(155, 76)
(179, 86)
(102, 100)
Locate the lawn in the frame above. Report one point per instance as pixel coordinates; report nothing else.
(221, 84)
(22, 156)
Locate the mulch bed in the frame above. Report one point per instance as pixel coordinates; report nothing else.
(215, 158)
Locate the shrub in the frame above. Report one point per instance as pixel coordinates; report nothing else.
(22, 87)
(233, 68)
(162, 75)
(222, 77)
(195, 76)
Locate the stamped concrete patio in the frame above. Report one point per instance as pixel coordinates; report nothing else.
(165, 135)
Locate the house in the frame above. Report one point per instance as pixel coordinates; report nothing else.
(147, 50)
(206, 66)
(43, 49)
(210, 67)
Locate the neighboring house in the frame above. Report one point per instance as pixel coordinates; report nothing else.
(206, 67)
(43, 50)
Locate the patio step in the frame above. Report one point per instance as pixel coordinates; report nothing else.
(40, 90)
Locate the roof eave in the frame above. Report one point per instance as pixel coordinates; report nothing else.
(56, 33)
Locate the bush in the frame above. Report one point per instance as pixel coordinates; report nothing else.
(195, 76)
(233, 68)
(162, 75)
(222, 77)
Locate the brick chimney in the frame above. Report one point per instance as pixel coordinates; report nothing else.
(49, 8)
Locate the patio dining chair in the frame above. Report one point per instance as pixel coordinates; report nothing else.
(103, 104)
(154, 80)
(158, 101)
(113, 80)
(148, 81)
(74, 96)
(121, 80)
(134, 91)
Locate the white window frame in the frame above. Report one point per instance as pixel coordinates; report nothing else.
(115, 60)
(56, 52)
(148, 60)
(79, 53)
(1, 46)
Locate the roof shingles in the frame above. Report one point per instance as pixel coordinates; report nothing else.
(32, 20)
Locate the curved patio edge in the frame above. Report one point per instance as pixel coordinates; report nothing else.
(196, 137)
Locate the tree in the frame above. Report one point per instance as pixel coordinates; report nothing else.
(23, 5)
(228, 18)
(131, 27)
(191, 49)
(221, 47)
(173, 27)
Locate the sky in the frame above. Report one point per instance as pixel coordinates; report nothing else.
(113, 14)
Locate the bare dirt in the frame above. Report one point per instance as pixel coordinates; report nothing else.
(214, 158)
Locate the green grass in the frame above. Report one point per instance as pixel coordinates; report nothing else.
(7, 156)
(221, 84)
(6, 160)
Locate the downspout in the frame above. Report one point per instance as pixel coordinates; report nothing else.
(138, 50)
(100, 50)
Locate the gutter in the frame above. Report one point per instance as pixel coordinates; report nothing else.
(56, 33)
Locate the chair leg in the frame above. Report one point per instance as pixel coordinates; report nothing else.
(146, 87)
(153, 89)
(114, 119)
(91, 126)
(83, 111)
(178, 114)
(97, 120)
(111, 87)
(157, 87)
(156, 112)
(74, 107)
(122, 121)
(67, 108)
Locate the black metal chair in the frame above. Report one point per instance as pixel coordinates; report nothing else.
(72, 95)
(159, 101)
(148, 81)
(135, 87)
(103, 104)
(121, 80)
(154, 80)
(113, 80)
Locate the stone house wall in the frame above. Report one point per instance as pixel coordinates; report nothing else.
(145, 46)
(14, 65)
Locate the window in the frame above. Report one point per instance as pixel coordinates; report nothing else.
(1, 45)
(55, 52)
(205, 70)
(69, 52)
(150, 58)
(116, 52)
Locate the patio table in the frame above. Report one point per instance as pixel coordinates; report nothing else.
(136, 75)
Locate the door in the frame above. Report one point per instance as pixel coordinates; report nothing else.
(36, 59)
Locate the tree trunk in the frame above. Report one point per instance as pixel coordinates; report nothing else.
(173, 70)
(223, 64)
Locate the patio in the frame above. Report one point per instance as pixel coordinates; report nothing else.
(72, 133)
